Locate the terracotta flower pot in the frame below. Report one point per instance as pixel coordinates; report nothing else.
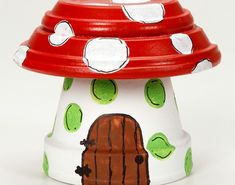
(117, 120)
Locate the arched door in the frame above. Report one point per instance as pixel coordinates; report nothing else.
(114, 153)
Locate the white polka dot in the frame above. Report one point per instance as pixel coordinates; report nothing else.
(182, 43)
(63, 32)
(202, 66)
(20, 55)
(145, 13)
(106, 55)
(130, 1)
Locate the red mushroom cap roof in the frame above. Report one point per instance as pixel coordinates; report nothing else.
(117, 40)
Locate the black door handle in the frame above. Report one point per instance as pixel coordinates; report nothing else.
(83, 171)
(87, 143)
(139, 159)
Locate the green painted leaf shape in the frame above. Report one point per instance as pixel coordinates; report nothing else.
(68, 82)
(104, 91)
(188, 165)
(155, 93)
(45, 164)
(73, 117)
(159, 146)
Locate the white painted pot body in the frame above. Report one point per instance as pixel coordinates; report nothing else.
(64, 151)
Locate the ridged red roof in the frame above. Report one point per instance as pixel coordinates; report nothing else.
(105, 39)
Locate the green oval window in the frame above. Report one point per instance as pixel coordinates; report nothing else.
(45, 164)
(73, 118)
(104, 91)
(67, 84)
(159, 146)
(155, 93)
(188, 165)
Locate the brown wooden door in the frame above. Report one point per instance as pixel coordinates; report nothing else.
(115, 153)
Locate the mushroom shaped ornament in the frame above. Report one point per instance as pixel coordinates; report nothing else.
(117, 120)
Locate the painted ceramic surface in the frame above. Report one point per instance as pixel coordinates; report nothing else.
(106, 55)
(67, 84)
(45, 164)
(73, 117)
(63, 32)
(145, 13)
(106, 37)
(188, 165)
(159, 146)
(104, 91)
(129, 100)
(20, 55)
(155, 93)
(103, 38)
(114, 152)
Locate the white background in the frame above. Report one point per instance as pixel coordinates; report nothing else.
(28, 101)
